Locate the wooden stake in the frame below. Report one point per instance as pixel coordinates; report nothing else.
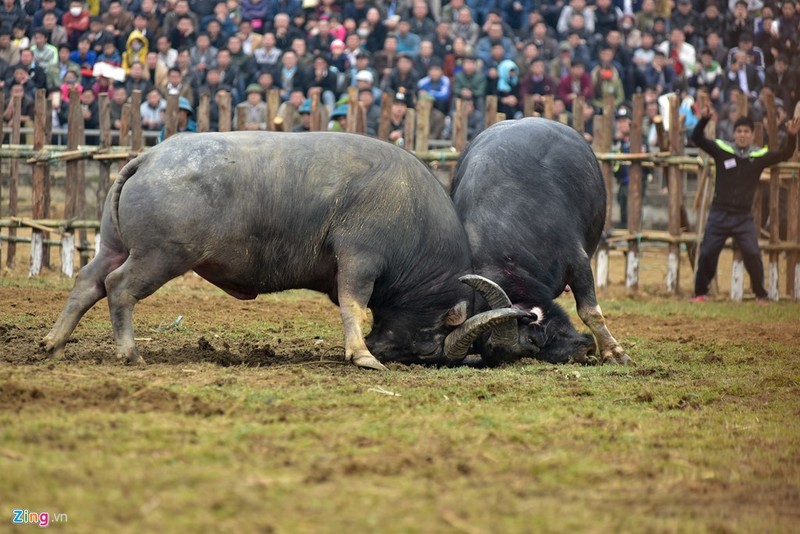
(352, 109)
(635, 194)
(410, 127)
(460, 120)
(204, 113)
(13, 175)
(105, 166)
(773, 287)
(578, 120)
(423, 125)
(225, 117)
(386, 117)
(40, 178)
(548, 107)
(273, 105)
(136, 121)
(491, 110)
(674, 185)
(241, 116)
(125, 124)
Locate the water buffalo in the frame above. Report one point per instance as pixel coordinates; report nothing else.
(255, 212)
(531, 196)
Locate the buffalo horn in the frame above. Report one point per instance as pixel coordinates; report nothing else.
(505, 335)
(459, 340)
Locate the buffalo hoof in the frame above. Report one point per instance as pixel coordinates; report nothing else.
(131, 357)
(583, 359)
(617, 356)
(56, 352)
(368, 361)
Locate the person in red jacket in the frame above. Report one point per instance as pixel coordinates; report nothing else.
(738, 172)
(576, 83)
(76, 22)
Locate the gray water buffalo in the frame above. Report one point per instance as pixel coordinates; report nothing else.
(254, 212)
(532, 200)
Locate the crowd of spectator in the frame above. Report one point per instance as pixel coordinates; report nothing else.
(411, 49)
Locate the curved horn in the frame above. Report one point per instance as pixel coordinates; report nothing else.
(505, 335)
(457, 343)
(492, 293)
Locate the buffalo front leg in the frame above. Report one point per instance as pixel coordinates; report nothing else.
(591, 315)
(353, 298)
(88, 290)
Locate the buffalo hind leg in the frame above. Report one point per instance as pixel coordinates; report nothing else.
(136, 279)
(353, 295)
(88, 290)
(591, 315)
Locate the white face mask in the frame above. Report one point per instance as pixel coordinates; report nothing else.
(75, 11)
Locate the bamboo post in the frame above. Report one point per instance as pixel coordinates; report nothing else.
(528, 106)
(241, 116)
(423, 125)
(204, 113)
(635, 194)
(460, 120)
(386, 117)
(602, 145)
(125, 124)
(72, 183)
(548, 107)
(352, 109)
(674, 185)
(277, 124)
(578, 120)
(773, 287)
(13, 178)
(491, 110)
(170, 117)
(104, 179)
(273, 104)
(40, 185)
(316, 116)
(225, 117)
(136, 121)
(410, 127)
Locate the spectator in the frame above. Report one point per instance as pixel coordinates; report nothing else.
(186, 121)
(376, 30)
(44, 54)
(71, 81)
(575, 7)
(436, 86)
(576, 83)
(538, 84)
(646, 18)
(251, 41)
(63, 65)
(266, 80)
(403, 79)
(580, 50)
(465, 27)
(11, 13)
(547, 46)
(321, 42)
(230, 75)
(256, 12)
(372, 111)
(117, 22)
(607, 17)
(244, 64)
(407, 42)
(442, 42)
(783, 81)
(36, 73)
(28, 103)
(137, 80)
(167, 55)
(136, 49)
(284, 33)
(425, 57)
(559, 66)
(221, 14)
(451, 11)
(9, 52)
(267, 55)
(304, 59)
(420, 23)
(55, 33)
(529, 53)
(324, 78)
(118, 98)
(357, 10)
(685, 18)
(507, 88)
(292, 76)
(739, 22)
(660, 75)
(147, 21)
(785, 29)
(184, 36)
(725, 125)
(743, 76)
(180, 10)
(152, 110)
(606, 81)
(385, 59)
(708, 77)
(642, 58)
(90, 113)
(290, 8)
(155, 71)
(110, 54)
(397, 119)
(710, 20)
(254, 108)
(754, 55)
(718, 50)
(470, 82)
(20, 39)
(494, 37)
(682, 54)
(176, 85)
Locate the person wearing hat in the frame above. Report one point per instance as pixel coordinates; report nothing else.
(404, 79)
(397, 118)
(338, 122)
(365, 80)
(186, 123)
(305, 117)
(254, 109)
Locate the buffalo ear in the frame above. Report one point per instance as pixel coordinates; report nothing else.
(456, 315)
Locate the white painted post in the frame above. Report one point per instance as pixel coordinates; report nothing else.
(67, 255)
(36, 253)
(774, 290)
(602, 268)
(737, 280)
(672, 269)
(632, 272)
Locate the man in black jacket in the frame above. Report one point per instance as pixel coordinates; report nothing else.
(738, 171)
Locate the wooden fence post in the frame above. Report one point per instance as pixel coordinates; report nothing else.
(423, 125)
(548, 106)
(601, 257)
(675, 201)
(578, 120)
(225, 117)
(773, 287)
(316, 115)
(204, 113)
(410, 124)
(460, 121)
(40, 183)
(352, 109)
(241, 116)
(13, 178)
(171, 116)
(273, 105)
(491, 110)
(136, 122)
(635, 194)
(125, 124)
(529, 107)
(386, 117)
(73, 183)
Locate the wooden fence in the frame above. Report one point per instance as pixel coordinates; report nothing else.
(669, 157)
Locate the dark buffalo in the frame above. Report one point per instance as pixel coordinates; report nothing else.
(532, 199)
(253, 212)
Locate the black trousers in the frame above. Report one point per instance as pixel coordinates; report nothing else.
(720, 226)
